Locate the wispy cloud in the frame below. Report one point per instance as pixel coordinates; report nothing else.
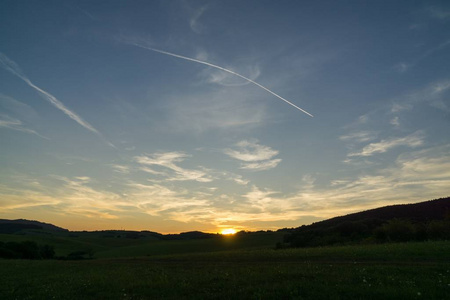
(432, 94)
(439, 13)
(226, 110)
(250, 150)
(397, 107)
(156, 199)
(12, 67)
(194, 22)
(395, 122)
(17, 108)
(256, 157)
(121, 168)
(261, 165)
(361, 120)
(144, 45)
(169, 161)
(239, 179)
(413, 140)
(403, 67)
(226, 79)
(415, 176)
(15, 124)
(358, 136)
(70, 197)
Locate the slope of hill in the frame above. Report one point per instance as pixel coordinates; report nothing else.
(13, 226)
(437, 209)
(419, 221)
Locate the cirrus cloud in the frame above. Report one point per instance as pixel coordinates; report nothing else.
(255, 157)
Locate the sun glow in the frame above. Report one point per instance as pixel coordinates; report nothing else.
(228, 231)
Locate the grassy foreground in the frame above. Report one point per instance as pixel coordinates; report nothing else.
(389, 271)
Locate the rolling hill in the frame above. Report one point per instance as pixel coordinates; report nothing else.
(418, 221)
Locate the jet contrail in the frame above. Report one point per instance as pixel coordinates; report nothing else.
(12, 67)
(223, 69)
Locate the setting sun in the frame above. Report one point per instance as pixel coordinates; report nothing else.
(228, 231)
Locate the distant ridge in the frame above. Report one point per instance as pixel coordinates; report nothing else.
(404, 222)
(11, 226)
(437, 209)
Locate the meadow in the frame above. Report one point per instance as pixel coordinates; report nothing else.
(230, 267)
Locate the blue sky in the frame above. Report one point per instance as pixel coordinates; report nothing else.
(98, 131)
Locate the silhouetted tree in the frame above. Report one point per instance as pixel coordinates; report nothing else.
(47, 252)
(399, 230)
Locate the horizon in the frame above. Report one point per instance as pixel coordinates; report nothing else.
(197, 116)
(225, 231)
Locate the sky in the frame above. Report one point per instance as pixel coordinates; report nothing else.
(175, 116)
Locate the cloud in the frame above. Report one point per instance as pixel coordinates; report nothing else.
(361, 120)
(403, 67)
(121, 169)
(415, 176)
(396, 107)
(145, 45)
(309, 181)
(433, 94)
(262, 165)
(168, 160)
(431, 51)
(250, 150)
(78, 196)
(194, 23)
(256, 157)
(439, 13)
(239, 180)
(412, 141)
(223, 110)
(68, 197)
(358, 136)
(14, 124)
(157, 199)
(395, 122)
(17, 108)
(231, 176)
(259, 198)
(12, 67)
(227, 79)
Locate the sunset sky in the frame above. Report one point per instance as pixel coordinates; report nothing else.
(98, 131)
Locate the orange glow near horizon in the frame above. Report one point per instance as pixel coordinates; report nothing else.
(228, 231)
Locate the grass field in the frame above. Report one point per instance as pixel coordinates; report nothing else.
(123, 247)
(252, 271)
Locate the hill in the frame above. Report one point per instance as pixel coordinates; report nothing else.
(437, 209)
(418, 221)
(428, 220)
(13, 226)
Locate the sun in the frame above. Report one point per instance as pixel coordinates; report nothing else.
(228, 231)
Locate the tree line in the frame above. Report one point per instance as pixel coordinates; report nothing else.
(368, 231)
(26, 250)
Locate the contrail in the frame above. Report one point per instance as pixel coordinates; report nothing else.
(223, 69)
(12, 67)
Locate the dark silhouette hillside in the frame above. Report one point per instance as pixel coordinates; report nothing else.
(13, 226)
(437, 209)
(419, 221)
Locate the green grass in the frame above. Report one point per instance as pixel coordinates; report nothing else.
(107, 247)
(390, 271)
(221, 243)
